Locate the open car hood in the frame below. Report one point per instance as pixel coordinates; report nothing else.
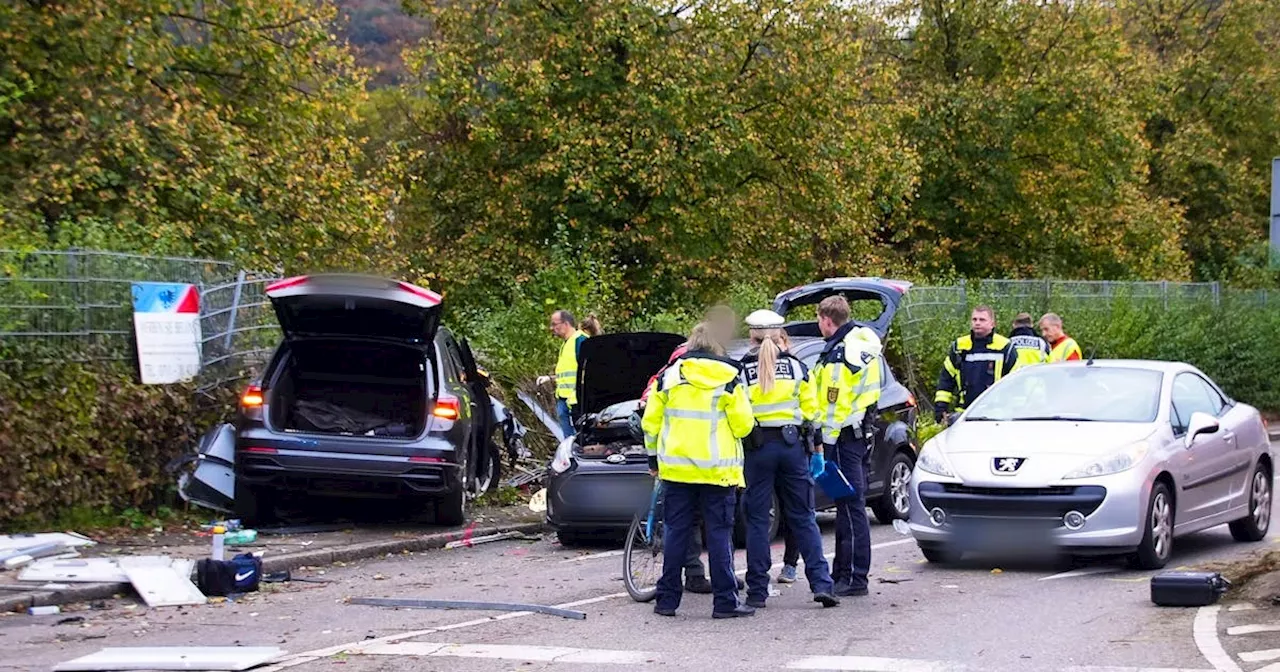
(358, 306)
(613, 368)
(888, 292)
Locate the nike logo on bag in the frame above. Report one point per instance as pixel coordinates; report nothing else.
(242, 577)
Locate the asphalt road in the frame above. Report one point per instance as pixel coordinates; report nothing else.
(919, 617)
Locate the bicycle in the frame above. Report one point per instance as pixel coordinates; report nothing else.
(643, 550)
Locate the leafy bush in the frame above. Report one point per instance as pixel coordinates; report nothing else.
(87, 436)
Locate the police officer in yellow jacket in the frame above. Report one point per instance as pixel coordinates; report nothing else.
(848, 391)
(974, 362)
(693, 426)
(782, 401)
(1029, 348)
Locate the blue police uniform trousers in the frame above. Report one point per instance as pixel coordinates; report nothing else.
(681, 501)
(853, 531)
(777, 465)
(565, 415)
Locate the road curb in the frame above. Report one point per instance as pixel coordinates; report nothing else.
(271, 563)
(1274, 435)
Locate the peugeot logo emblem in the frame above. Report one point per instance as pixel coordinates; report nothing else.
(616, 458)
(1007, 466)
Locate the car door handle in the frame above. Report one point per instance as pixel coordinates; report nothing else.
(1229, 436)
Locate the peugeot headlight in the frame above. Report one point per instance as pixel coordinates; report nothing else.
(932, 461)
(563, 459)
(1123, 459)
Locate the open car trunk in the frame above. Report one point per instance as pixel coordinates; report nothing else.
(612, 372)
(352, 388)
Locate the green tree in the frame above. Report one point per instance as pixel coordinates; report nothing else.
(212, 127)
(1033, 158)
(684, 145)
(1213, 120)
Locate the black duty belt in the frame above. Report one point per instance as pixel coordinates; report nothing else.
(780, 434)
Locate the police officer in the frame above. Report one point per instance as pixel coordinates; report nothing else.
(782, 400)
(693, 426)
(1029, 348)
(565, 327)
(848, 389)
(974, 362)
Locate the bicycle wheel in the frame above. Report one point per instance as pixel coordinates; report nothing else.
(642, 558)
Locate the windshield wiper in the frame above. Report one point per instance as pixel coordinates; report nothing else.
(1063, 418)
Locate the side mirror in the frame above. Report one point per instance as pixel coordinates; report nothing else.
(1201, 423)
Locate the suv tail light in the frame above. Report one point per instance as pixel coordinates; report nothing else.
(447, 408)
(252, 397)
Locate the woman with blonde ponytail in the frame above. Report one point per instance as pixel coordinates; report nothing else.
(777, 459)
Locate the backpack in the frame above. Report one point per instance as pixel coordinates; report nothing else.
(220, 578)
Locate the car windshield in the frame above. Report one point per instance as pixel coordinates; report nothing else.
(1072, 394)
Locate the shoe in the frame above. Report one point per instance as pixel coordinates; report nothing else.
(826, 599)
(664, 612)
(742, 583)
(698, 585)
(788, 574)
(741, 611)
(846, 590)
(755, 603)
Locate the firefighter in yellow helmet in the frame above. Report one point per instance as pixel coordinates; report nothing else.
(974, 362)
(693, 424)
(777, 459)
(848, 392)
(1029, 348)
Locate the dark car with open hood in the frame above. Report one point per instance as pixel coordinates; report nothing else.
(367, 396)
(600, 478)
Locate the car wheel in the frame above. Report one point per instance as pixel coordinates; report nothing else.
(1255, 525)
(740, 522)
(940, 556)
(895, 502)
(491, 475)
(1157, 539)
(451, 509)
(252, 506)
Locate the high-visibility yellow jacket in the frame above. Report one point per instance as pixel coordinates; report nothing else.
(972, 365)
(1065, 350)
(790, 402)
(848, 380)
(696, 417)
(567, 369)
(1029, 349)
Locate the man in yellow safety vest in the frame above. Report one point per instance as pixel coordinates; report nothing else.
(565, 327)
(1062, 348)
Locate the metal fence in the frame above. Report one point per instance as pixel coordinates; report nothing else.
(76, 305)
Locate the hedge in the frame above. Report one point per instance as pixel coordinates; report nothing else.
(1235, 340)
(86, 435)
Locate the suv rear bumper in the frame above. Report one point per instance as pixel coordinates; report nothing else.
(347, 474)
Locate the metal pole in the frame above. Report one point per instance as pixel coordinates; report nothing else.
(235, 308)
(1275, 211)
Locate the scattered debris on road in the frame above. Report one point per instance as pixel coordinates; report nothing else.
(462, 604)
(174, 658)
(468, 542)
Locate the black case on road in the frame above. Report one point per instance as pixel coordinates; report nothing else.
(1187, 589)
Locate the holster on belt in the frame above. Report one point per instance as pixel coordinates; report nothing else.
(753, 440)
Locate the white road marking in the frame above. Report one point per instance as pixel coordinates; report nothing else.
(549, 654)
(1243, 606)
(1270, 668)
(866, 664)
(1205, 631)
(1131, 669)
(1252, 629)
(1083, 571)
(1260, 656)
(593, 556)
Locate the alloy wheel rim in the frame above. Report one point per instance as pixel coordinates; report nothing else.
(1161, 530)
(898, 486)
(1261, 500)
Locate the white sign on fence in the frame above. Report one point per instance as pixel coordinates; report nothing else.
(166, 319)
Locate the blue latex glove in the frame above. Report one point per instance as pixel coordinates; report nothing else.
(816, 465)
